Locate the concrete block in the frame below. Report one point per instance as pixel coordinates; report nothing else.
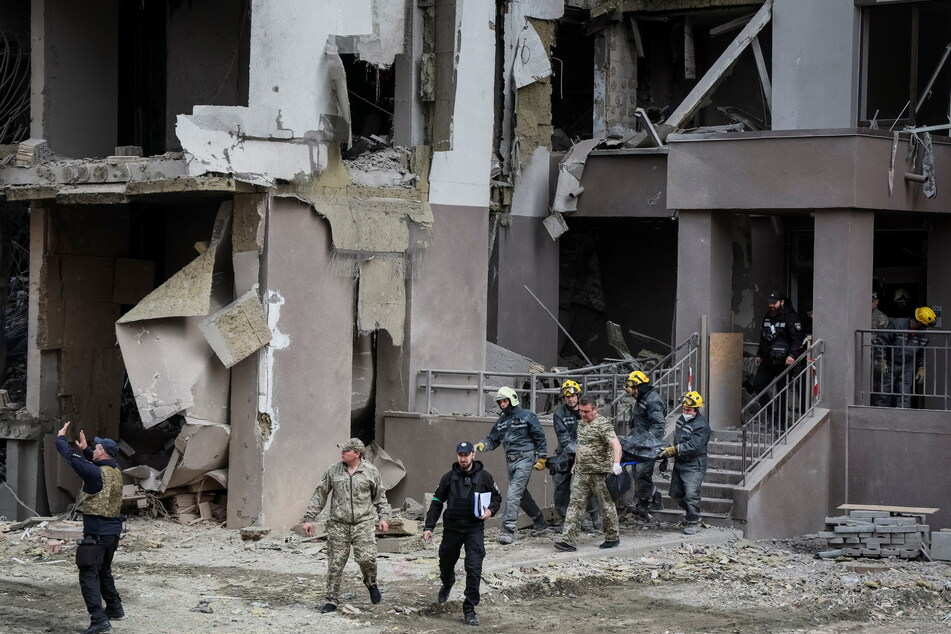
(827, 534)
(875, 542)
(837, 520)
(905, 553)
(851, 539)
(836, 541)
(237, 330)
(863, 528)
(941, 545)
(871, 552)
(889, 552)
(398, 544)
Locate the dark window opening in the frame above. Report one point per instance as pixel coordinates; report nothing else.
(15, 72)
(906, 63)
(572, 84)
(372, 92)
(142, 76)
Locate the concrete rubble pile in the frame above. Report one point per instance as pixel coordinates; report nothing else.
(876, 534)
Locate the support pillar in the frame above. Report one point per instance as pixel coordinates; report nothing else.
(844, 241)
(939, 298)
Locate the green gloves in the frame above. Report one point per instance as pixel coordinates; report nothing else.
(479, 446)
(920, 376)
(540, 464)
(668, 452)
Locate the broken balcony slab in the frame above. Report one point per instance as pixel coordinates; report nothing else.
(238, 330)
(382, 297)
(188, 292)
(93, 172)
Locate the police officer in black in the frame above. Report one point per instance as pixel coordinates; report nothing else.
(781, 341)
(463, 524)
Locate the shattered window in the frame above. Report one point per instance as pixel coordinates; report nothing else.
(905, 61)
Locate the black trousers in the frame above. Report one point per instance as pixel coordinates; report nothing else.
(452, 543)
(95, 577)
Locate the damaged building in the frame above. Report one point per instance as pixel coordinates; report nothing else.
(257, 229)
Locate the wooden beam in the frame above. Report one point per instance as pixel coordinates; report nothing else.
(911, 510)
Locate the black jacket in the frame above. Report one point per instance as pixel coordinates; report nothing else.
(780, 334)
(456, 492)
(91, 474)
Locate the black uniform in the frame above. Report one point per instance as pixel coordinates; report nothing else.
(780, 337)
(456, 492)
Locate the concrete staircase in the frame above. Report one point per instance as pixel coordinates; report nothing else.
(724, 465)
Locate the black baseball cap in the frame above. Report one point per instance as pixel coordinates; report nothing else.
(774, 296)
(464, 447)
(108, 444)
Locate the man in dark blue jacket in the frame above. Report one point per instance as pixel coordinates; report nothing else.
(463, 524)
(690, 446)
(650, 416)
(518, 432)
(100, 502)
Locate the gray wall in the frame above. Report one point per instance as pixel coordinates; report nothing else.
(792, 498)
(74, 91)
(527, 257)
(704, 272)
(900, 460)
(777, 170)
(814, 57)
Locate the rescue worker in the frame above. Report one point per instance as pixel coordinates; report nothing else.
(462, 527)
(565, 421)
(650, 416)
(899, 357)
(781, 342)
(357, 506)
(520, 434)
(691, 436)
(599, 453)
(100, 502)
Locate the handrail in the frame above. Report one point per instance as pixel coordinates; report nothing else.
(886, 386)
(766, 425)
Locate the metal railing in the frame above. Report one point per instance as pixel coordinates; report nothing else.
(903, 368)
(774, 412)
(540, 392)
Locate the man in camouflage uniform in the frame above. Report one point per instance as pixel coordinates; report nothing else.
(880, 321)
(100, 502)
(357, 505)
(599, 453)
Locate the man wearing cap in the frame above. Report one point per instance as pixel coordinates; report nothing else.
(357, 506)
(463, 524)
(100, 502)
(520, 434)
(781, 342)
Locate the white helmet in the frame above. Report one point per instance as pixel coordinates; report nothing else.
(509, 393)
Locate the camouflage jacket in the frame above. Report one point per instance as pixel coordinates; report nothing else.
(353, 498)
(595, 454)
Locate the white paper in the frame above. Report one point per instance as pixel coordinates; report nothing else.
(482, 501)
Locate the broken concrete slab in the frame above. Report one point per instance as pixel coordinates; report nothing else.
(531, 58)
(570, 171)
(391, 469)
(146, 477)
(204, 445)
(239, 329)
(555, 225)
(382, 297)
(188, 292)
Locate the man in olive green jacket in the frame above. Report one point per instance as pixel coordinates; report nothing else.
(357, 506)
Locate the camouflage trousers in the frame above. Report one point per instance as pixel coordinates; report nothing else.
(340, 537)
(584, 485)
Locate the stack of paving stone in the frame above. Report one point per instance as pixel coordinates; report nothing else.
(875, 534)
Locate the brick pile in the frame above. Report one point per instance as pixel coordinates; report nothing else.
(876, 534)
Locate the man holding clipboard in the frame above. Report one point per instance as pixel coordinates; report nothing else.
(469, 496)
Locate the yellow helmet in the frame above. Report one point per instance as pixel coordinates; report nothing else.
(692, 399)
(570, 388)
(636, 378)
(925, 316)
(509, 393)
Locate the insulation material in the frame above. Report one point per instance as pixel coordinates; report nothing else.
(188, 292)
(371, 225)
(247, 226)
(556, 225)
(531, 58)
(570, 170)
(382, 302)
(391, 470)
(201, 447)
(168, 359)
(237, 330)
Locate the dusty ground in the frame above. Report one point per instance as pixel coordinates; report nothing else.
(656, 582)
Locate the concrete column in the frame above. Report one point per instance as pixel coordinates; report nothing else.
(704, 271)
(815, 45)
(842, 285)
(303, 405)
(615, 84)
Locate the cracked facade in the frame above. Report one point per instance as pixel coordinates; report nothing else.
(271, 217)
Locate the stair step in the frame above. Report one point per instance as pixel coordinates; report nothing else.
(724, 447)
(727, 435)
(722, 476)
(708, 489)
(721, 520)
(707, 505)
(724, 462)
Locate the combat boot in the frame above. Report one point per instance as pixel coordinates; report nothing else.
(469, 616)
(505, 537)
(98, 626)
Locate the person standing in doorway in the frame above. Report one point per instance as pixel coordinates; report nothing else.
(781, 342)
